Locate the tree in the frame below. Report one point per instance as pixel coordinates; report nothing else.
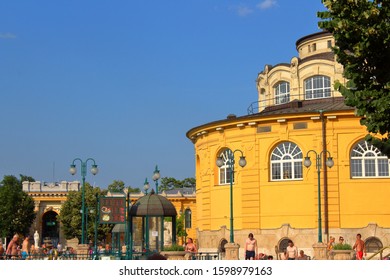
(70, 215)
(361, 29)
(119, 186)
(16, 208)
(170, 183)
(116, 186)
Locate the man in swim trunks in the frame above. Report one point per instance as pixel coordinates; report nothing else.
(359, 247)
(292, 251)
(12, 249)
(250, 247)
(25, 247)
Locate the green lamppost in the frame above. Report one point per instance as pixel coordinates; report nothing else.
(230, 163)
(73, 171)
(96, 224)
(329, 163)
(156, 176)
(87, 212)
(146, 186)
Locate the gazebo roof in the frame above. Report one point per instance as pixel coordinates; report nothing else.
(153, 204)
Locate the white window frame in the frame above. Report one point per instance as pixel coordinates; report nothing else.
(317, 87)
(286, 159)
(367, 161)
(225, 169)
(282, 92)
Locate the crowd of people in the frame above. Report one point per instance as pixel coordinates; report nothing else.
(22, 249)
(291, 251)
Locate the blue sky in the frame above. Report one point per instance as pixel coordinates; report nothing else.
(123, 81)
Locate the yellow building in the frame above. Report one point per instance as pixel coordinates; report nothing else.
(275, 196)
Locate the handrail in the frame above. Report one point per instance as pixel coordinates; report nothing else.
(379, 252)
(256, 107)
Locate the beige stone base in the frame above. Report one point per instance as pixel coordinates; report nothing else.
(232, 251)
(341, 254)
(319, 251)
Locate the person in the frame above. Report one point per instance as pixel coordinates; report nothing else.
(341, 240)
(302, 255)
(190, 246)
(12, 249)
(250, 247)
(25, 247)
(261, 256)
(1, 250)
(359, 247)
(107, 249)
(270, 257)
(33, 251)
(331, 243)
(292, 251)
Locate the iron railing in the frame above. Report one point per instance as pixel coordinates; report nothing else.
(380, 253)
(258, 106)
(105, 256)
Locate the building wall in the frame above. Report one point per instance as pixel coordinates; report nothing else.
(316, 62)
(48, 197)
(274, 210)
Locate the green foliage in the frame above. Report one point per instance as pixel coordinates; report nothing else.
(342, 247)
(362, 33)
(180, 229)
(16, 207)
(116, 186)
(119, 186)
(170, 182)
(174, 247)
(70, 215)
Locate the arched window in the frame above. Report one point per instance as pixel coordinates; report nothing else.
(225, 171)
(187, 218)
(317, 87)
(368, 161)
(286, 162)
(373, 245)
(282, 92)
(283, 244)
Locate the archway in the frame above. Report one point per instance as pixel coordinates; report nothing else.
(373, 244)
(50, 227)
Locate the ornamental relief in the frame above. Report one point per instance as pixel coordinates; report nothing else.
(51, 208)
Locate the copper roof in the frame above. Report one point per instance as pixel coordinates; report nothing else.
(153, 204)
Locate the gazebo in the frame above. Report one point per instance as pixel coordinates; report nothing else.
(153, 208)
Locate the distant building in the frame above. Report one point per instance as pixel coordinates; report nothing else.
(49, 197)
(275, 195)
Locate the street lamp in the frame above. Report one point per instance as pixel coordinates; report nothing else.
(146, 186)
(329, 163)
(230, 162)
(73, 171)
(156, 176)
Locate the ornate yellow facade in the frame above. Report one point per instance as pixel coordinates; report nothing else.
(275, 196)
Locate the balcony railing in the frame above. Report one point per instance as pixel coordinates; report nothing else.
(260, 105)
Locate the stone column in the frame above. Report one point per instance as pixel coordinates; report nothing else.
(232, 251)
(320, 251)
